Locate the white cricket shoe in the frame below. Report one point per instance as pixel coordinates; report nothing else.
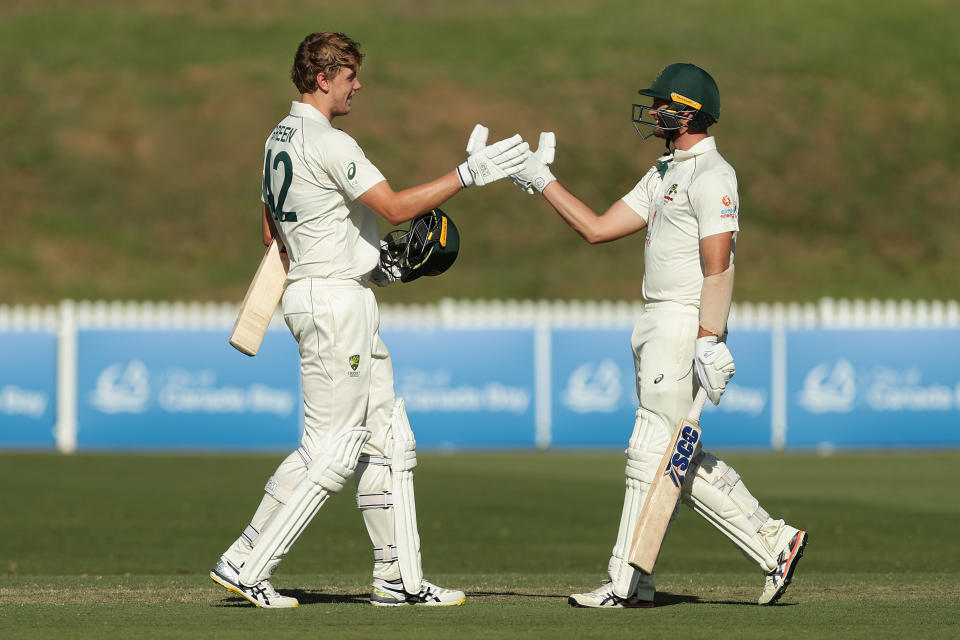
(779, 579)
(227, 575)
(604, 598)
(390, 593)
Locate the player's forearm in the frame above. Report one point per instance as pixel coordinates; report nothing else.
(574, 212)
(268, 231)
(717, 290)
(400, 206)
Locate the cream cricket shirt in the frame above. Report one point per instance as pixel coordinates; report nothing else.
(696, 197)
(313, 175)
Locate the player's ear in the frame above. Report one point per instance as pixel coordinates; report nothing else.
(323, 83)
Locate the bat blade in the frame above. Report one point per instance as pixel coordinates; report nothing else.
(261, 300)
(662, 498)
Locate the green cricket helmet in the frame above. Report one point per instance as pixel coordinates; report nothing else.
(692, 98)
(428, 248)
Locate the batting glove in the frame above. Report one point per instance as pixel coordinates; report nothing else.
(535, 173)
(714, 364)
(388, 270)
(486, 164)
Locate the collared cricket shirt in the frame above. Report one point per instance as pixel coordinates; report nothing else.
(683, 198)
(313, 174)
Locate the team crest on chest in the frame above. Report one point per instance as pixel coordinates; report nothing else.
(354, 363)
(670, 192)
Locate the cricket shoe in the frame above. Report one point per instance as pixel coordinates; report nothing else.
(262, 594)
(779, 579)
(604, 598)
(390, 593)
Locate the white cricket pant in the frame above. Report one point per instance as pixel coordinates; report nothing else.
(663, 349)
(347, 381)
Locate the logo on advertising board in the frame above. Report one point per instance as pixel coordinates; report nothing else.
(425, 391)
(835, 388)
(593, 388)
(741, 399)
(122, 388)
(830, 388)
(15, 401)
(130, 387)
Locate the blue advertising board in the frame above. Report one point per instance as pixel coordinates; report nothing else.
(594, 398)
(465, 388)
(189, 390)
(742, 419)
(855, 388)
(28, 377)
(475, 389)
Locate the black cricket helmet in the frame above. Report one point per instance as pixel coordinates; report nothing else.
(692, 98)
(428, 248)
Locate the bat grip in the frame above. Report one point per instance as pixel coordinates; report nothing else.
(697, 406)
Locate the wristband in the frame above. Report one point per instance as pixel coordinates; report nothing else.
(466, 178)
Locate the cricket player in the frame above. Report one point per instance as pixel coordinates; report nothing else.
(321, 198)
(689, 206)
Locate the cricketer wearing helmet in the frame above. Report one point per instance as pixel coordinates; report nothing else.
(689, 205)
(321, 198)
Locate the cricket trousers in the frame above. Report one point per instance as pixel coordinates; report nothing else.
(347, 381)
(663, 344)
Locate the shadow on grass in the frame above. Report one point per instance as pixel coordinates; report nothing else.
(305, 597)
(663, 598)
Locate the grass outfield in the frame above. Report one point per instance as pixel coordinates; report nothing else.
(120, 546)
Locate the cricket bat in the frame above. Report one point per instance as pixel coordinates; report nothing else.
(261, 301)
(665, 491)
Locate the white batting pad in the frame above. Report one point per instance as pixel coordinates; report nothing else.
(718, 494)
(403, 460)
(327, 474)
(644, 454)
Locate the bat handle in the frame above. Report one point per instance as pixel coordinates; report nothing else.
(697, 406)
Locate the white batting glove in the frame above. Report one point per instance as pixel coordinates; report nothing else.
(387, 270)
(493, 162)
(714, 364)
(478, 139)
(535, 173)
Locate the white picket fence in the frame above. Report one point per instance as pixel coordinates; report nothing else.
(827, 313)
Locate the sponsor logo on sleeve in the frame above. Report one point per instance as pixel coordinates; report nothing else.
(729, 209)
(351, 171)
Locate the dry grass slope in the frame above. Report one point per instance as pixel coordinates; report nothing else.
(132, 138)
